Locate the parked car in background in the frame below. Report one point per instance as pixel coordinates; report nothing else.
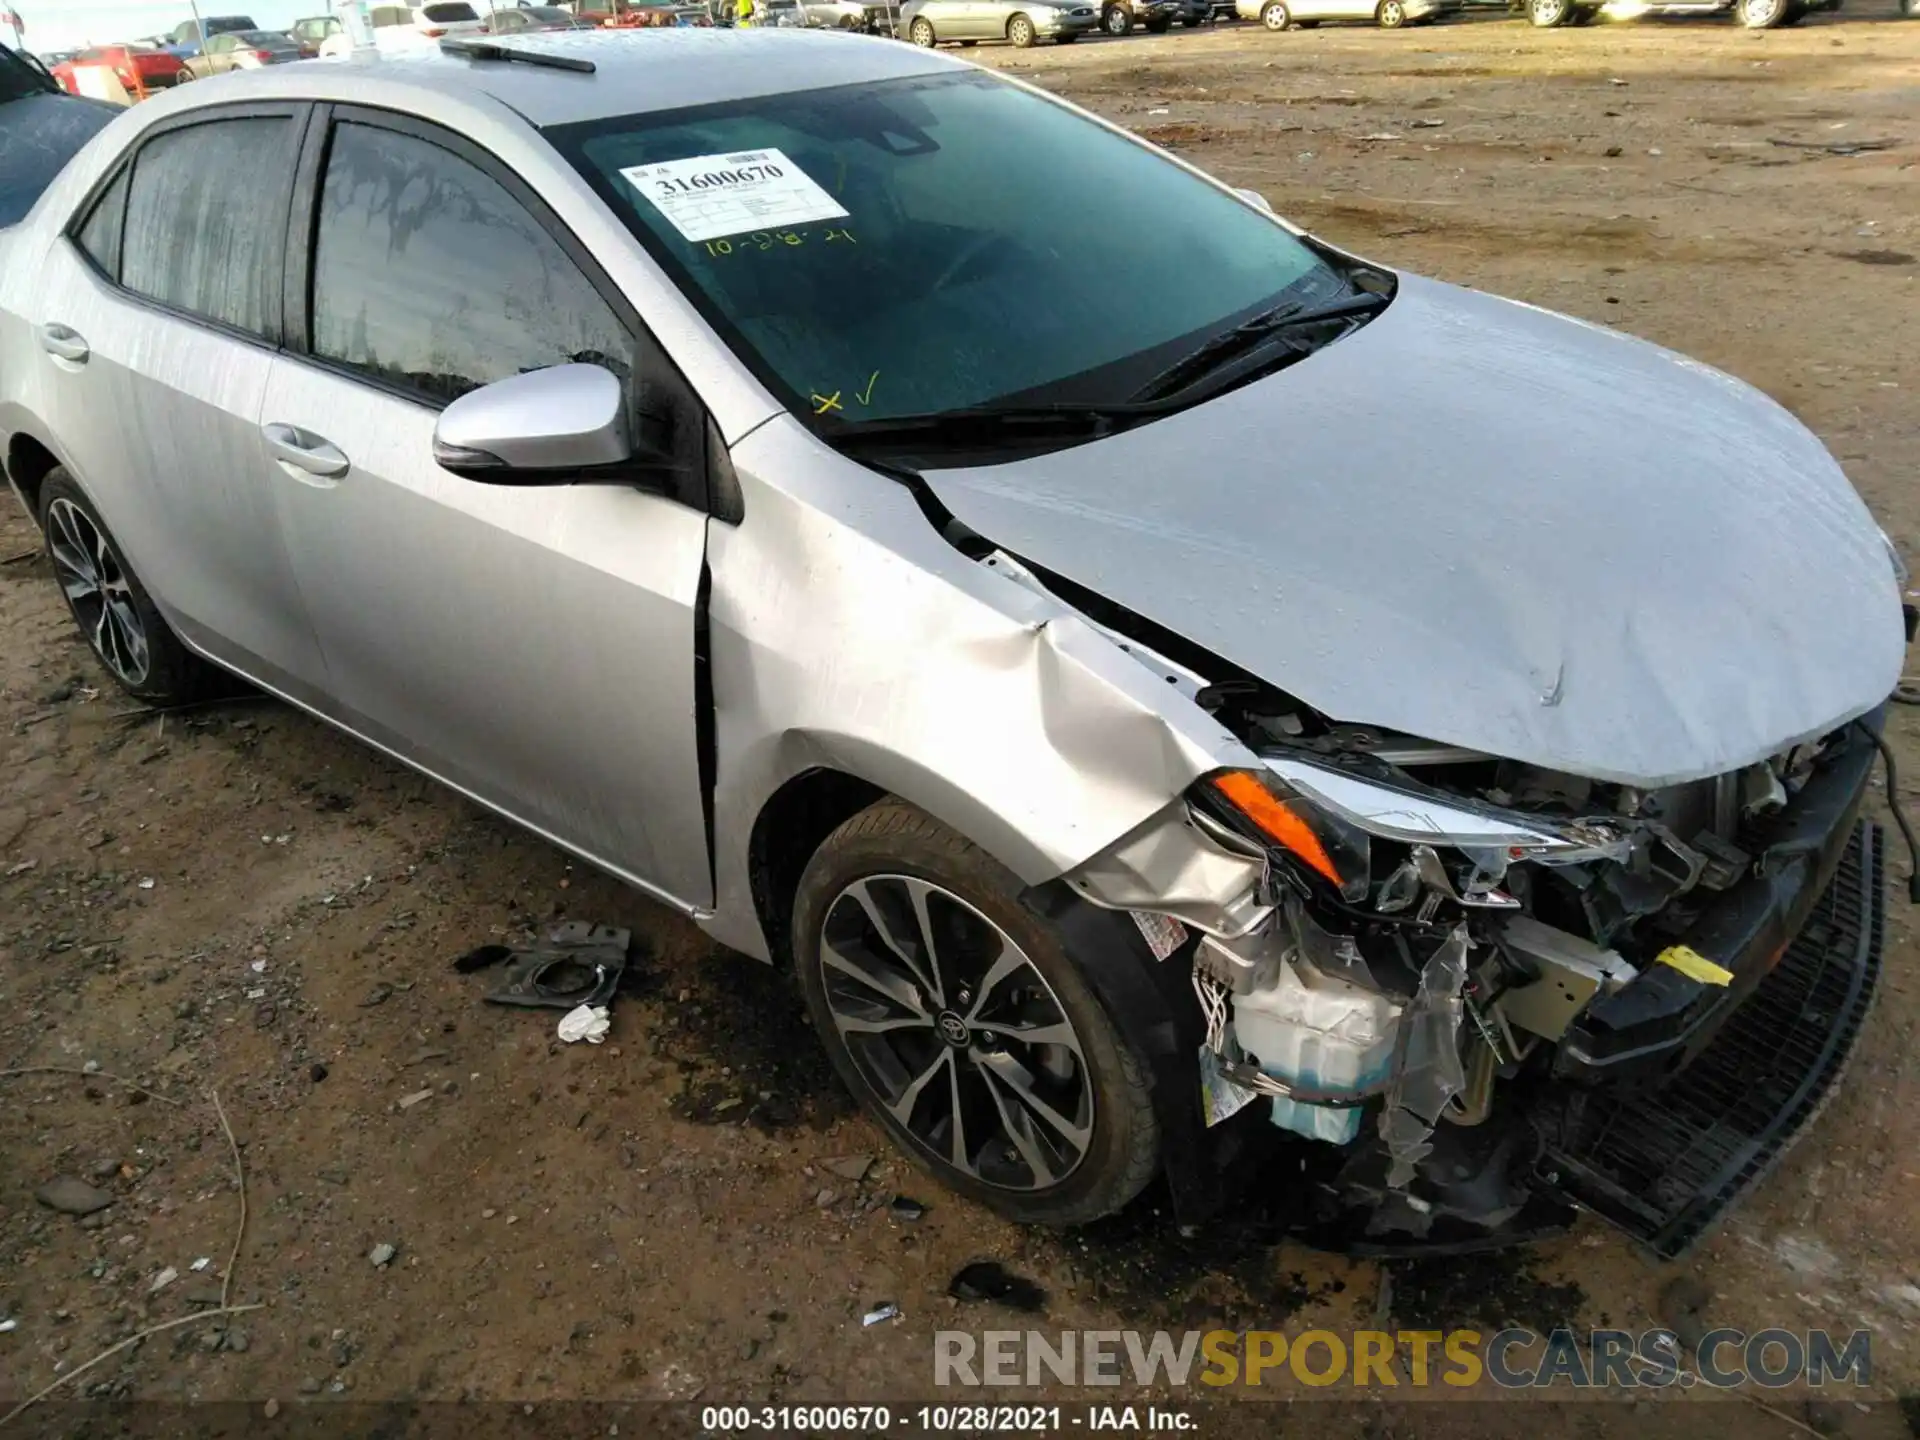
(874, 17)
(398, 27)
(184, 39)
(311, 33)
(1118, 17)
(1753, 14)
(41, 128)
(1304, 14)
(528, 18)
(655, 14)
(136, 69)
(244, 50)
(1020, 23)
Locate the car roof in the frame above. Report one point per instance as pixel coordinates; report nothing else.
(638, 71)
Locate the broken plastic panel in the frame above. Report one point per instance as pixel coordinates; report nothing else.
(1430, 1072)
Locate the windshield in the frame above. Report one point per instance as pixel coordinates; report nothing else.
(920, 246)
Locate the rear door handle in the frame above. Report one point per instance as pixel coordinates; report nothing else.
(304, 451)
(64, 343)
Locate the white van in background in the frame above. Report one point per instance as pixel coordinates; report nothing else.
(397, 26)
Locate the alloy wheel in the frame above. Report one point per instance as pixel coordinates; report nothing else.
(956, 1032)
(96, 587)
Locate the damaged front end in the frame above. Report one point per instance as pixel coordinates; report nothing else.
(1490, 990)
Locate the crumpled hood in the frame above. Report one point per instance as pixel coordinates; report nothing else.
(1488, 525)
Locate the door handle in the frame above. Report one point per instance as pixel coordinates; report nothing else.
(64, 343)
(306, 451)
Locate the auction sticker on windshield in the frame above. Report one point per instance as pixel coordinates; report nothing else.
(710, 196)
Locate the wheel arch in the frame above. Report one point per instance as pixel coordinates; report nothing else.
(28, 462)
(789, 829)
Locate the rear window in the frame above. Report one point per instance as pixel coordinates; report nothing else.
(229, 24)
(448, 14)
(385, 17)
(197, 236)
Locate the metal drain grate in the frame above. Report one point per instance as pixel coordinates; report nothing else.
(1665, 1164)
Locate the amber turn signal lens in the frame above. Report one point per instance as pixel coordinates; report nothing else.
(1277, 820)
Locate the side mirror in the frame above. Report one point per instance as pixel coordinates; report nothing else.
(541, 428)
(1255, 199)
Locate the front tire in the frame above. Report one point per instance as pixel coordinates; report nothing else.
(1390, 15)
(1548, 14)
(112, 608)
(956, 1016)
(1158, 27)
(921, 33)
(1117, 20)
(1020, 33)
(1762, 14)
(1275, 16)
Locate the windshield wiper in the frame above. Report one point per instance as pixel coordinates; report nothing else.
(1250, 333)
(997, 422)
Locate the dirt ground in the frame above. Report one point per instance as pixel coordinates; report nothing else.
(241, 899)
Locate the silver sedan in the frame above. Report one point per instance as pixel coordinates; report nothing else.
(725, 457)
(1304, 14)
(1019, 22)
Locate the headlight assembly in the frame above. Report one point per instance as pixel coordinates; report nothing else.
(1328, 819)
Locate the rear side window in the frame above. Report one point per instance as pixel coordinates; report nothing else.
(100, 236)
(448, 14)
(429, 275)
(203, 230)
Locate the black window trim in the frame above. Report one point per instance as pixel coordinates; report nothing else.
(700, 491)
(300, 112)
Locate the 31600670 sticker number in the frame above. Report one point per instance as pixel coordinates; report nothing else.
(710, 197)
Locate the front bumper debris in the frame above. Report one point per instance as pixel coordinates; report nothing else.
(1665, 1163)
(1658, 1022)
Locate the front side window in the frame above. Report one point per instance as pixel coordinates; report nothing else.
(427, 274)
(202, 234)
(919, 246)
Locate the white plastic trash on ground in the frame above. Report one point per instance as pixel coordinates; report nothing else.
(585, 1022)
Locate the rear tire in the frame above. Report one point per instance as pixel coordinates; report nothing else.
(112, 608)
(1020, 32)
(1762, 14)
(1065, 39)
(1548, 14)
(1117, 20)
(887, 1049)
(1390, 15)
(1275, 16)
(1158, 27)
(921, 33)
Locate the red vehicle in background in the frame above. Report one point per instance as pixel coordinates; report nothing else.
(137, 69)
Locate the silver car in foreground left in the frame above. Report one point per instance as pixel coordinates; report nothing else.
(1148, 740)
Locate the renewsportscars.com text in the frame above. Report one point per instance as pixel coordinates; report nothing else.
(1509, 1359)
